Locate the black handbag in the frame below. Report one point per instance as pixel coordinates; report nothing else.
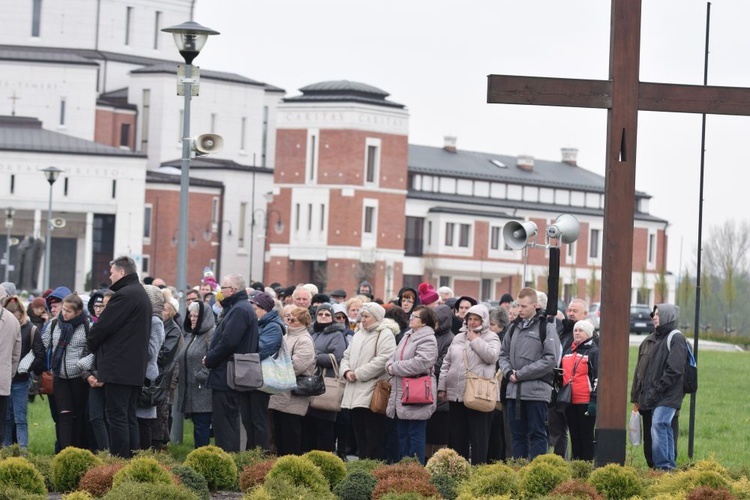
(565, 393)
(156, 393)
(310, 385)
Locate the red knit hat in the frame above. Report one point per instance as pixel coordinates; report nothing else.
(427, 294)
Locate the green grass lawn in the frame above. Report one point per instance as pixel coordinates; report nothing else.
(722, 415)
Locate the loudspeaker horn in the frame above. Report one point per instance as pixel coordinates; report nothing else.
(565, 228)
(517, 234)
(58, 222)
(208, 143)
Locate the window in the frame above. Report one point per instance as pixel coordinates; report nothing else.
(651, 248)
(444, 281)
(215, 213)
(296, 216)
(449, 230)
(309, 216)
(241, 237)
(594, 244)
(243, 133)
(146, 264)
(463, 235)
(128, 24)
(264, 145)
(144, 119)
(147, 213)
(12, 183)
(429, 232)
(124, 134)
(322, 216)
(36, 17)
(65, 187)
(312, 154)
(369, 219)
(414, 236)
(62, 111)
(495, 237)
(114, 188)
(157, 26)
(486, 292)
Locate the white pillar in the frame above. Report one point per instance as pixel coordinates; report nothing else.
(88, 251)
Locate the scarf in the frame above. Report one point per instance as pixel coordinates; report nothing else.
(67, 328)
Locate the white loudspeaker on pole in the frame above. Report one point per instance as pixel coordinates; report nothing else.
(565, 228)
(208, 143)
(517, 234)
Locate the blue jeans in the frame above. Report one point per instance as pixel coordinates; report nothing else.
(412, 438)
(15, 416)
(529, 433)
(201, 429)
(662, 438)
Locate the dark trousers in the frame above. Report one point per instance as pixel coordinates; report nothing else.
(287, 433)
(411, 438)
(201, 429)
(318, 434)
(496, 445)
(558, 431)
(97, 419)
(469, 432)
(226, 417)
(3, 410)
(120, 404)
(392, 442)
(71, 396)
(646, 431)
(343, 432)
(369, 430)
(254, 409)
(145, 432)
(581, 432)
(530, 430)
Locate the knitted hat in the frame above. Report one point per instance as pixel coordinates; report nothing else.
(375, 310)
(156, 298)
(325, 306)
(427, 294)
(586, 326)
(320, 298)
(39, 302)
(506, 298)
(10, 288)
(263, 300)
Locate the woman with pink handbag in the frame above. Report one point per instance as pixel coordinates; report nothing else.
(414, 389)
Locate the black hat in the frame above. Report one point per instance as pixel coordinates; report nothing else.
(506, 298)
(338, 293)
(319, 298)
(286, 292)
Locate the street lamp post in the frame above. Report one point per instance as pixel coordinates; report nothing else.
(51, 173)
(9, 212)
(190, 37)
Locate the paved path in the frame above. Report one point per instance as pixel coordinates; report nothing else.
(707, 345)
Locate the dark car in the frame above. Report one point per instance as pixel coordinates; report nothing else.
(640, 319)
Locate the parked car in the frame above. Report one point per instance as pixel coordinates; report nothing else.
(595, 309)
(640, 319)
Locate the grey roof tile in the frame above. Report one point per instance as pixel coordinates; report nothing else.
(344, 91)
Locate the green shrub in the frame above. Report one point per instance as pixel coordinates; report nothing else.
(278, 488)
(366, 465)
(69, 466)
(711, 465)
(406, 496)
(357, 485)
(741, 488)
(540, 478)
(409, 469)
(43, 463)
(78, 495)
(160, 456)
(98, 480)
(254, 474)
(142, 470)
(129, 490)
(107, 458)
(332, 467)
(489, 480)
(215, 465)
(13, 493)
(707, 493)
(615, 481)
(13, 450)
(249, 457)
(686, 481)
(301, 472)
(404, 484)
(446, 485)
(576, 489)
(448, 462)
(581, 469)
(20, 473)
(192, 480)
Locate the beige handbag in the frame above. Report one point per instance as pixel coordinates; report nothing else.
(480, 393)
(331, 399)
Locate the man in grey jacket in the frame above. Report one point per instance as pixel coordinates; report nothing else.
(527, 358)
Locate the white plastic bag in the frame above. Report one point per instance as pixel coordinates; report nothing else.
(634, 428)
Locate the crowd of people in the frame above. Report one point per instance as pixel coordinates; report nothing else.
(121, 365)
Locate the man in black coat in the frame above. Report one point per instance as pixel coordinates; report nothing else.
(236, 333)
(119, 341)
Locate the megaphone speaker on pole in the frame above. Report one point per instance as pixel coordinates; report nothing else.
(565, 228)
(517, 234)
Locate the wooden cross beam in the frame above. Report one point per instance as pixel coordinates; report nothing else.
(623, 95)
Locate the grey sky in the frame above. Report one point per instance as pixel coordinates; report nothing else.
(434, 57)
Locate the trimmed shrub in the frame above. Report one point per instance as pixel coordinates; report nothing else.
(706, 493)
(215, 465)
(580, 469)
(192, 480)
(576, 489)
(299, 471)
(711, 465)
(160, 456)
(409, 469)
(13, 450)
(366, 465)
(358, 485)
(143, 470)
(403, 484)
(741, 488)
(249, 457)
(448, 462)
(20, 473)
(540, 478)
(332, 467)
(129, 490)
(685, 481)
(78, 495)
(253, 475)
(278, 488)
(446, 485)
(69, 466)
(98, 480)
(406, 496)
(13, 493)
(488, 480)
(43, 463)
(615, 481)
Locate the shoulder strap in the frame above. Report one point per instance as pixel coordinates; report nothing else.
(669, 339)
(542, 329)
(33, 334)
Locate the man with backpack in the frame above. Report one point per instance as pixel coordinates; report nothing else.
(658, 386)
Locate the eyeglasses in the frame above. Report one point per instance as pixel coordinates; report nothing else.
(416, 316)
(291, 319)
(324, 314)
(98, 306)
(226, 287)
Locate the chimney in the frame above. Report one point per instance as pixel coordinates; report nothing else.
(449, 143)
(569, 156)
(525, 163)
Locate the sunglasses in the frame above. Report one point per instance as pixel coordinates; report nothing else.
(291, 319)
(324, 314)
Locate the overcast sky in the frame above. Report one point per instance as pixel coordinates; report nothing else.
(434, 57)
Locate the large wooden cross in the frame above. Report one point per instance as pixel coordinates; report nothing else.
(623, 95)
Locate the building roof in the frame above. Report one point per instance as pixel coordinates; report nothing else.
(344, 91)
(42, 54)
(207, 163)
(155, 177)
(503, 168)
(116, 99)
(22, 133)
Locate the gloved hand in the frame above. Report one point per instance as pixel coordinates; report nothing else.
(591, 411)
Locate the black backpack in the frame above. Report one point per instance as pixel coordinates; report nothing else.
(690, 377)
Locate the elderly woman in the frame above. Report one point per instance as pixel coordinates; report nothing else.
(580, 365)
(475, 349)
(147, 414)
(288, 409)
(318, 426)
(362, 366)
(193, 396)
(415, 355)
(353, 306)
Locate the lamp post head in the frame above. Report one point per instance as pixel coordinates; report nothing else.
(190, 37)
(52, 173)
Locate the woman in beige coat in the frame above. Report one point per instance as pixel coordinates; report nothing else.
(475, 349)
(287, 410)
(363, 365)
